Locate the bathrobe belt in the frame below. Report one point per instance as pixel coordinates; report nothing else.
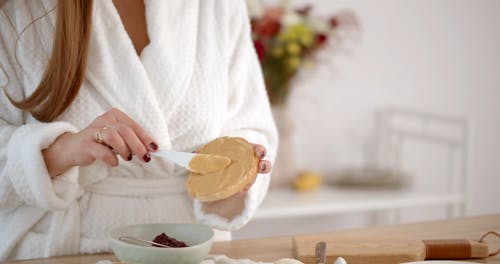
(139, 187)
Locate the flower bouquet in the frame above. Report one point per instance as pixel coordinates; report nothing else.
(285, 39)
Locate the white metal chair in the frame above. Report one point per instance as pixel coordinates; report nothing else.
(397, 127)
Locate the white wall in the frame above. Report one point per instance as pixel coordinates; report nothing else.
(436, 56)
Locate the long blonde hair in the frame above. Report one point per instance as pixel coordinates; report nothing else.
(65, 71)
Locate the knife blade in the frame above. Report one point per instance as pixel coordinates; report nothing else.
(209, 162)
(320, 253)
(179, 158)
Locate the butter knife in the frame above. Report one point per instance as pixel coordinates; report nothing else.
(179, 158)
(184, 159)
(320, 253)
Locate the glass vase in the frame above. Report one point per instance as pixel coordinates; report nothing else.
(284, 170)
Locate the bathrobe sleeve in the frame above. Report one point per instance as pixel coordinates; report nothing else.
(249, 113)
(24, 179)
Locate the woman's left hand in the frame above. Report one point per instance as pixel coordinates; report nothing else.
(264, 166)
(232, 206)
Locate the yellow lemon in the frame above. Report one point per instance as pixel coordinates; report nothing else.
(307, 181)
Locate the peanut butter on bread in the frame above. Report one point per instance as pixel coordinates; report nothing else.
(218, 185)
(204, 163)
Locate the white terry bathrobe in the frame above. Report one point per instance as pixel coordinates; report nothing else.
(197, 80)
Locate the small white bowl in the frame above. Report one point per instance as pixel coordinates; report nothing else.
(198, 237)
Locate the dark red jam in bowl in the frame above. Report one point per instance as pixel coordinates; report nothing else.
(168, 241)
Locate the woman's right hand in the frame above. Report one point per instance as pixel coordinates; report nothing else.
(118, 135)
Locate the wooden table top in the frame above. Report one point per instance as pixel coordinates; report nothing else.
(273, 248)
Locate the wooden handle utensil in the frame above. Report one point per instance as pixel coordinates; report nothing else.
(387, 249)
(455, 249)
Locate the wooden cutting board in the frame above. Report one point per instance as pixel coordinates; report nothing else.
(367, 249)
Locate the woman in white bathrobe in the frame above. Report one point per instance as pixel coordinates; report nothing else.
(192, 78)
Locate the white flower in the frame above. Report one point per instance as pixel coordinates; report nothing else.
(290, 18)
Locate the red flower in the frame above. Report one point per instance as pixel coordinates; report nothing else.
(259, 47)
(268, 28)
(321, 38)
(270, 23)
(334, 22)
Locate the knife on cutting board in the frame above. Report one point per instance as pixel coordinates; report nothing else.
(384, 249)
(320, 253)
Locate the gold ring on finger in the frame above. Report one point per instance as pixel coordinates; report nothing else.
(99, 136)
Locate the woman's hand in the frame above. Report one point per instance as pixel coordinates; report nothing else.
(264, 166)
(233, 206)
(113, 133)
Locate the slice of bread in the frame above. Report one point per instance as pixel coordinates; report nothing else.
(239, 173)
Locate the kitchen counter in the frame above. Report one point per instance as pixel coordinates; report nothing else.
(273, 248)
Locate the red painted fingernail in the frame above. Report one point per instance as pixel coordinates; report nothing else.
(146, 157)
(129, 158)
(153, 146)
(263, 167)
